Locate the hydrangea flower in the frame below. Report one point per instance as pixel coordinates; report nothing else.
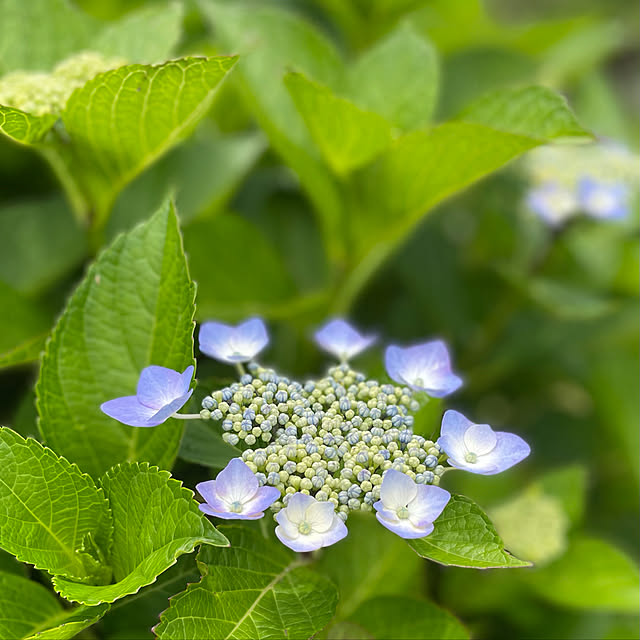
(235, 494)
(160, 393)
(233, 344)
(423, 367)
(602, 200)
(407, 508)
(477, 447)
(553, 202)
(342, 340)
(306, 524)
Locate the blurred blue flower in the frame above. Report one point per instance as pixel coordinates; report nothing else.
(342, 340)
(407, 508)
(160, 393)
(603, 200)
(423, 367)
(306, 524)
(236, 494)
(553, 202)
(477, 447)
(233, 344)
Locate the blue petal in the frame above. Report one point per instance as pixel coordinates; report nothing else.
(236, 482)
(229, 515)
(168, 410)
(404, 528)
(339, 338)
(129, 411)
(159, 386)
(394, 363)
(264, 498)
(602, 200)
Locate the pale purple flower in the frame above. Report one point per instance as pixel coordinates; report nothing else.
(553, 202)
(233, 344)
(407, 508)
(477, 447)
(423, 367)
(603, 200)
(306, 524)
(342, 340)
(235, 494)
(160, 393)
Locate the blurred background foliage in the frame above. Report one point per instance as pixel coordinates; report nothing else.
(543, 322)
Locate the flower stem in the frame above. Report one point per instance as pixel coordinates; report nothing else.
(187, 416)
(240, 369)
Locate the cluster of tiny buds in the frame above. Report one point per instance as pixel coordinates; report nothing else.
(332, 439)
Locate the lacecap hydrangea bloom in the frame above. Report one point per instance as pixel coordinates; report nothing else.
(340, 339)
(314, 451)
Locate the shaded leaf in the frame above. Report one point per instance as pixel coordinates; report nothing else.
(203, 444)
(134, 308)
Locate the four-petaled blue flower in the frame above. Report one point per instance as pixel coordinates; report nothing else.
(342, 340)
(477, 447)
(160, 393)
(307, 524)
(233, 344)
(553, 202)
(235, 494)
(603, 200)
(407, 508)
(423, 367)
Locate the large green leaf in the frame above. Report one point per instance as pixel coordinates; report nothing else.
(593, 574)
(40, 241)
(347, 136)
(53, 516)
(407, 618)
(202, 443)
(134, 308)
(397, 78)
(371, 561)
(23, 331)
(256, 589)
(155, 520)
(424, 167)
(464, 537)
(122, 120)
(29, 610)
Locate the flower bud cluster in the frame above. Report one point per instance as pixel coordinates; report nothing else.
(41, 93)
(331, 439)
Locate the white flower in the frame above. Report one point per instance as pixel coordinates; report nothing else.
(407, 508)
(233, 344)
(342, 340)
(306, 524)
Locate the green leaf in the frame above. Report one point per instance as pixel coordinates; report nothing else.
(53, 516)
(147, 35)
(24, 128)
(397, 78)
(22, 332)
(347, 136)
(155, 520)
(593, 575)
(40, 241)
(257, 589)
(251, 30)
(406, 618)
(424, 167)
(249, 275)
(29, 610)
(370, 561)
(134, 308)
(464, 537)
(35, 35)
(203, 444)
(119, 122)
(569, 486)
